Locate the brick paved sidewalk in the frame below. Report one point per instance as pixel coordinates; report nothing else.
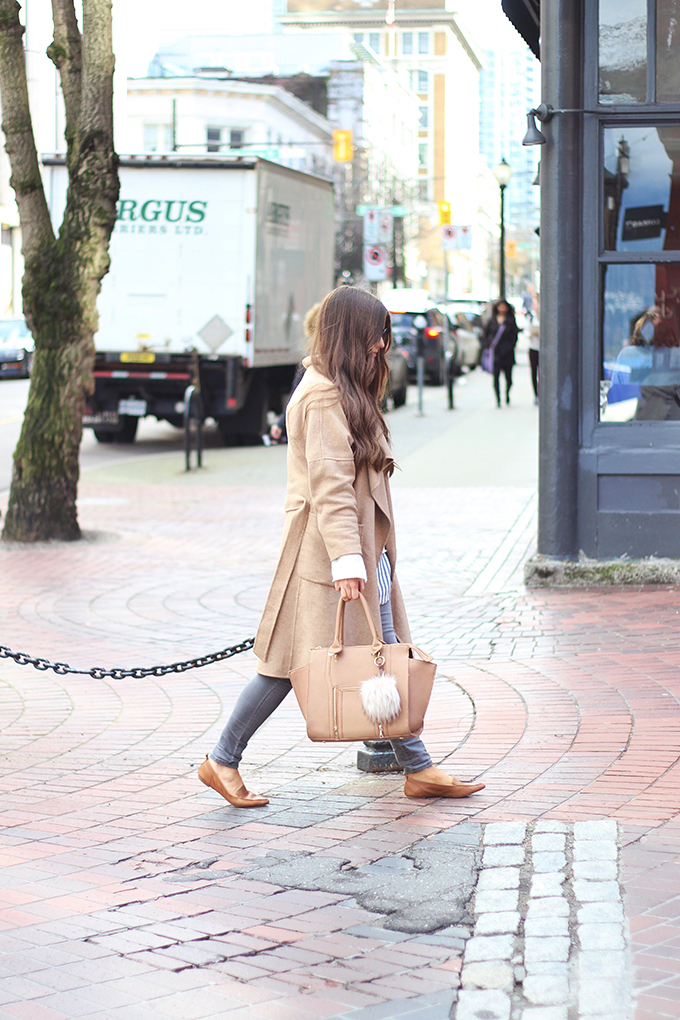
(130, 891)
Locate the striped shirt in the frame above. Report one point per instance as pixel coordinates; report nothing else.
(384, 578)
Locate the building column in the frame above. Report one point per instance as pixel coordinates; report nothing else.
(561, 272)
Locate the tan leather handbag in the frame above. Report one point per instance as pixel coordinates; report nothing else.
(364, 692)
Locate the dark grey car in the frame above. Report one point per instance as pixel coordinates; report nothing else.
(16, 349)
(427, 331)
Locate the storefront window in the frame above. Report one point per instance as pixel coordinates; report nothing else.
(623, 51)
(640, 342)
(641, 188)
(668, 51)
(639, 64)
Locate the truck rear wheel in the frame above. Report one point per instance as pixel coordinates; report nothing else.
(104, 437)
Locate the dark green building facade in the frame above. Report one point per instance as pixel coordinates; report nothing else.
(610, 275)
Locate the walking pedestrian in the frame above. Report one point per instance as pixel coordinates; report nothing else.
(501, 334)
(338, 536)
(278, 430)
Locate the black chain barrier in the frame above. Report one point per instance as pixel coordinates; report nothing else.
(137, 673)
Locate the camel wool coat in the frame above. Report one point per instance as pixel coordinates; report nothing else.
(331, 510)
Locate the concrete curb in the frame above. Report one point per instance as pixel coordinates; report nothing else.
(544, 572)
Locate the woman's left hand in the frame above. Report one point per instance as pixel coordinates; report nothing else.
(349, 587)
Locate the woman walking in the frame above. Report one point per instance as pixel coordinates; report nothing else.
(501, 334)
(338, 536)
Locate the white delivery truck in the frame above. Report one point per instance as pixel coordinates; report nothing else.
(214, 263)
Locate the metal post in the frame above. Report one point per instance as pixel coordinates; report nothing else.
(174, 125)
(502, 251)
(189, 396)
(193, 408)
(420, 379)
(561, 271)
(199, 430)
(449, 381)
(377, 756)
(398, 251)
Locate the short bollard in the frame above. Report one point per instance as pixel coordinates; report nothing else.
(193, 409)
(377, 756)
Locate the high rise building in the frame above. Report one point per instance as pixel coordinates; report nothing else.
(509, 88)
(428, 47)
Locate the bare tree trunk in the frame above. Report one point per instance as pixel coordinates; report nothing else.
(63, 274)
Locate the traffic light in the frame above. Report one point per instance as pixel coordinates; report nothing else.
(342, 146)
(444, 213)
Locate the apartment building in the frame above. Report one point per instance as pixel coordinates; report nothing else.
(199, 114)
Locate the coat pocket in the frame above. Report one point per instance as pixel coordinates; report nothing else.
(293, 501)
(313, 560)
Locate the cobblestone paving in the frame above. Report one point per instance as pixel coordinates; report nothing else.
(549, 933)
(126, 889)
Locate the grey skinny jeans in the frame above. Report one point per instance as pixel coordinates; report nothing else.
(263, 694)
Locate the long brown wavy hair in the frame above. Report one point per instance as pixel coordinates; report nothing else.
(350, 323)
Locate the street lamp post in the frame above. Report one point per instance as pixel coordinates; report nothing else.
(502, 173)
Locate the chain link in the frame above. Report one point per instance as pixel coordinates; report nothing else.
(137, 673)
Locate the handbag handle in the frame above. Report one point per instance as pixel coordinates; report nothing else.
(338, 642)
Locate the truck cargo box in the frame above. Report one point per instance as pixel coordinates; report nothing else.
(214, 263)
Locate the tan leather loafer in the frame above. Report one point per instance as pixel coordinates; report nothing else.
(239, 797)
(414, 787)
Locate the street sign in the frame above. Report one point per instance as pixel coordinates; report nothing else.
(378, 224)
(375, 262)
(385, 226)
(371, 225)
(456, 238)
(396, 210)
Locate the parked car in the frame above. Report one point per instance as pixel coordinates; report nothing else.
(418, 323)
(474, 309)
(466, 320)
(16, 349)
(466, 337)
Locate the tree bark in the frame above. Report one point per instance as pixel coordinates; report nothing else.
(63, 274)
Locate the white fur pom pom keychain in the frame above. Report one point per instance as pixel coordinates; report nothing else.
(380, 698)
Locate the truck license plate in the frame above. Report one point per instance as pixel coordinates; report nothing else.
(135, 408)
(138, 357)
(101, 418)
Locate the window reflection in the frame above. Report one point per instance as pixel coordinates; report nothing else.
(623, 51)
(641, 188)
(640, 343)
(668, 51)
